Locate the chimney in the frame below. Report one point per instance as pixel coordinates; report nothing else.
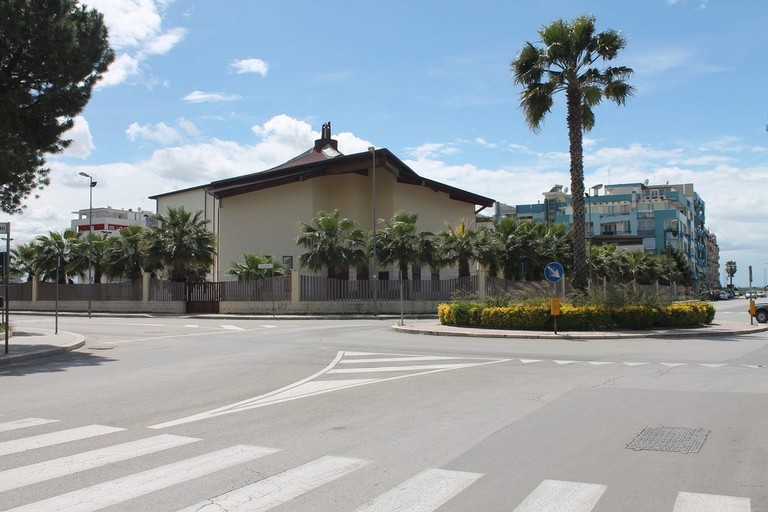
(325, 139)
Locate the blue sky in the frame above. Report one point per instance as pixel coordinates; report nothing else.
(208, 90)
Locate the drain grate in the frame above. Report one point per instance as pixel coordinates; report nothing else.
(670, 439)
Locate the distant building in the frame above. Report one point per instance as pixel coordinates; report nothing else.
(108, 220)
(636, 216)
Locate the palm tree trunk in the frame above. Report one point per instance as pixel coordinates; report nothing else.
(575, 139)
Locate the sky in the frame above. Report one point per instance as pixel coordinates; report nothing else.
(202, 91)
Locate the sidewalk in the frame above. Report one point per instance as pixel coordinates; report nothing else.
(31, 343)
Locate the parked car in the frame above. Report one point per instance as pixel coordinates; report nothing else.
(761, 312)
(723, 295)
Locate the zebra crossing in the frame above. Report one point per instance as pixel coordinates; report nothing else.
(425, 491)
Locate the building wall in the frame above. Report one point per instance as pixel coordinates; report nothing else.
(268, 221)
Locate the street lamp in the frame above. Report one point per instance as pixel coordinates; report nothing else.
(90, 238)
(373, 236)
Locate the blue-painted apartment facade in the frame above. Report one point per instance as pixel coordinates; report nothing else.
(637, 216)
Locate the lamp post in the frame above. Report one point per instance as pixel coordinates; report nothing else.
(373, 236)
(90, 239)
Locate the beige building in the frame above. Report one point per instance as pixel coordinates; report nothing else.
(260, 213)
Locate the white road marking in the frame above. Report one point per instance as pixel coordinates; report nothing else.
(400, 359)
(268, 326)
(232, 327)
(123, 489)
(600, 363)
(424, 492)
(694, 502)
(560, 496)
(27, 422)
(527, 361)
(633, 363)
(194, 326)
(53, 438)
(281, 488)
(40, 472)
(712, 365)
(673, 365)
(562, 362)
(304, 388)
(403, 368)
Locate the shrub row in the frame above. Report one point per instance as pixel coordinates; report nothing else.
(537, 317)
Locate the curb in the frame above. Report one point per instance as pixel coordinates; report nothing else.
(78, 341)
(490, 333)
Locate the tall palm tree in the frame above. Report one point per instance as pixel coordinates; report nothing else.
(249, 269)
(730, 270)
(124, 255)
(333, 243)
(397, 242)
(23, 262)
(182, 244)
(565, 63)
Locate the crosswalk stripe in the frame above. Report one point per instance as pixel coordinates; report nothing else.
(281, 488)
(560, 496)
(694, 502)
(424, 492)
(562, 362)
(712, 365)
(231, 327)
(123, 489)
(526, 361)
(600, 363)
(631, 363)
(27, 422)
(53, 438)
(673, 365)
(47, 470)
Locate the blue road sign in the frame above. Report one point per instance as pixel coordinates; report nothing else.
(554, 272)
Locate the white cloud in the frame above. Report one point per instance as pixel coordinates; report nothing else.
(209, 97)
(432, 149)
(160, 133)
(250, 66)
(82, 141)
(136, 32)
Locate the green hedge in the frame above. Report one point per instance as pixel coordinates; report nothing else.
(536, 316)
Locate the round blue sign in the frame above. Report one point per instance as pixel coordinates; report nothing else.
(554, 272)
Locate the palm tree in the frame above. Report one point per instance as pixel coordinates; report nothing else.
(181, 243)
(565, 63)
(124, 254)
(398, 242)
(637, 266)
(730, 271)
(23, 262)
(57, 253)
(458, 246)
(249, 270)
(332, 243)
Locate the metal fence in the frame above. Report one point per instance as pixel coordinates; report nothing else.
(315, 288)
(273, 288)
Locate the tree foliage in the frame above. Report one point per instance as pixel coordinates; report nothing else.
(181, 245)
(249, 269)
(52, 54)
(565, 63)
(333, 243)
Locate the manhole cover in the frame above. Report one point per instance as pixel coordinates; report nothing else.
(670, 439)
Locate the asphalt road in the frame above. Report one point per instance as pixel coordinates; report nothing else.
(168, 414)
